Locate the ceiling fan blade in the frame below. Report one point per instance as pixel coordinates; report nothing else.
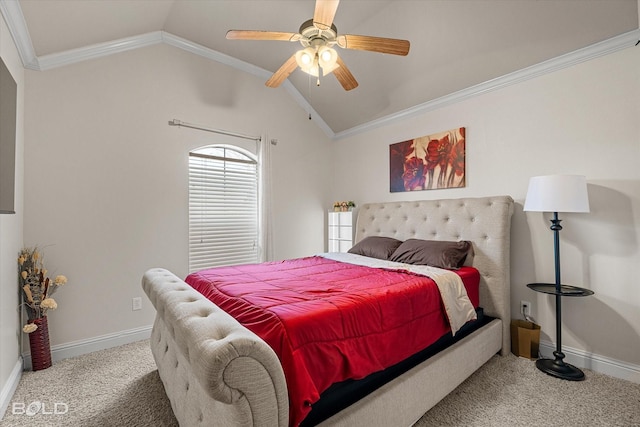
(324, 13)
(283, 72)
(262, 35)
(344, 76)
(374, 44)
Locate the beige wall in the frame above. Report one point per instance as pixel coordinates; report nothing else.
(580, 120)
(11, 237)
(106, 177)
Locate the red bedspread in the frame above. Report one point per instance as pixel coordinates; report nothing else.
(329, 321)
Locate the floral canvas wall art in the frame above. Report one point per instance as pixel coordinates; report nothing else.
(428, 162)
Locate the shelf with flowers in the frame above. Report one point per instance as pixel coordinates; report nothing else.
(343, 206)
(37, 289)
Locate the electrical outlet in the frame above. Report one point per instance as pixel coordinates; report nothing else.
(525, 308)
(136, 304)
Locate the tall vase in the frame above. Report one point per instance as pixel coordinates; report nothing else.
(39, 343)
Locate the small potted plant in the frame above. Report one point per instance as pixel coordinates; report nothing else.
(344, 206)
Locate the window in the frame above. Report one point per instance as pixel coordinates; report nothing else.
(223, 207)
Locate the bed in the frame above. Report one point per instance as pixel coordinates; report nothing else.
(217, 372)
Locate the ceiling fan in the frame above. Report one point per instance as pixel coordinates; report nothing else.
(318, 36)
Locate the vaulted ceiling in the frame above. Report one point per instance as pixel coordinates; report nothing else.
(458, 47)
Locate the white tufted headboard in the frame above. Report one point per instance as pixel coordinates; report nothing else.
(486, 221)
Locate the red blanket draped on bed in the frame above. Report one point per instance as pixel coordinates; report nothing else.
(329, 321)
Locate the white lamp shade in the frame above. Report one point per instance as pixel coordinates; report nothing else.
(557, 193)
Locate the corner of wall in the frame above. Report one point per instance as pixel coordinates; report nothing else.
(11, 238)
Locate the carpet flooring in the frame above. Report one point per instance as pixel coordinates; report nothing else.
(120, 387)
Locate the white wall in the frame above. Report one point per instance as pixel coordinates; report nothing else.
(106, 178)
(580, 120)
(11, 240)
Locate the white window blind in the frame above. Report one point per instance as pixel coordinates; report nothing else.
(223, 207)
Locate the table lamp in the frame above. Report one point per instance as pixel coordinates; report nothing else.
(558, 193)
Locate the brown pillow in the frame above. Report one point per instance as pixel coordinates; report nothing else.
(376, 247)
(436, 253)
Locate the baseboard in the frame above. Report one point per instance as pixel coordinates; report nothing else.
(78, 348)
(6, 394)
(595, 362)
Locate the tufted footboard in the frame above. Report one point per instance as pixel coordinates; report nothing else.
(214, 370)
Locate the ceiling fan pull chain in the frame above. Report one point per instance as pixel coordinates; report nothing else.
(309, 91)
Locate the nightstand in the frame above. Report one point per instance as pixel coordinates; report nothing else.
(340, 231)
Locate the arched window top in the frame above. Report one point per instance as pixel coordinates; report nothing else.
(223, 207)
(225, 152)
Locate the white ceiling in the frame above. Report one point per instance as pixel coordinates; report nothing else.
(455, 44)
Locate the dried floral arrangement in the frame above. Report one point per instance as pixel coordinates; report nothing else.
(36, 287)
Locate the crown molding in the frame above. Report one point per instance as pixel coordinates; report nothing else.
(214, 55)
(18, 28)
(10, 9)
(605, 47)
(238, 64)
(72, 56)
(12, 12)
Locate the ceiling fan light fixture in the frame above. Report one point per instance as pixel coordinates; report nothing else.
(327, 59)
(326, 54)
(306, 59)
(318, 36)
(309, 61)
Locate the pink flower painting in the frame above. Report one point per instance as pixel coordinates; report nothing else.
(428, 162)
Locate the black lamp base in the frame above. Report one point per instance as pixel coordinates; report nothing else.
(559, 369)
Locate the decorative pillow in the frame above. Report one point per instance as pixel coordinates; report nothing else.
(436, 253)
(376, 247)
